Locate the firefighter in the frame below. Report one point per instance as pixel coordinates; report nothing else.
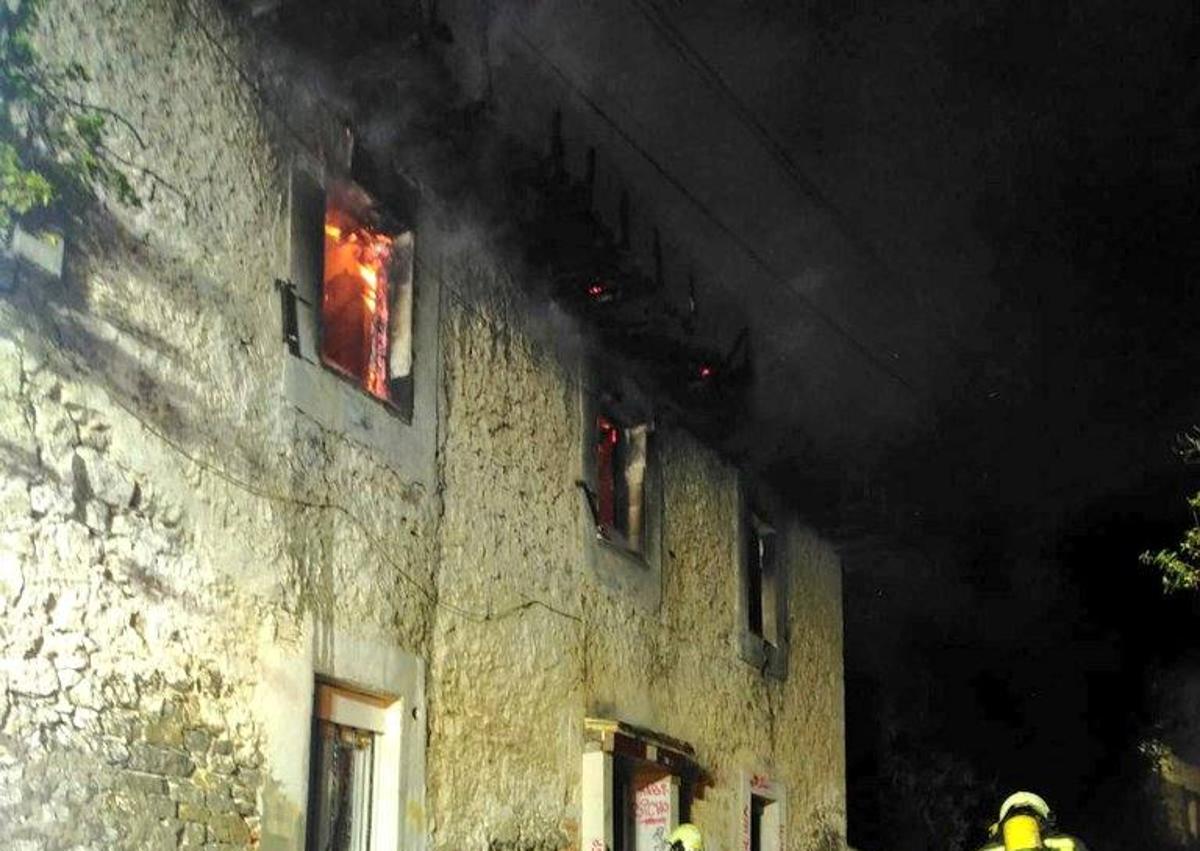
(686, 837)
(1026, 823)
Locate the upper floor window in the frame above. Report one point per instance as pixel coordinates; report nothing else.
(620, 480)
(361, 334)
(762, 578)
(366, 298)
(762, 583)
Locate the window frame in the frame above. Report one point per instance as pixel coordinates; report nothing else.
(377, 669)
(773, 824)
(670, 779)
(377, 716)
(634, 572)
(329, 397)
(359, 205)
(757, 509)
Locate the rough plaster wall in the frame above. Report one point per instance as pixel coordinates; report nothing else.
(504, 691)
(509, 694)
(168, 525)
(173, 538)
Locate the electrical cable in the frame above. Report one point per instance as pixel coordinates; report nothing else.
(806, 185)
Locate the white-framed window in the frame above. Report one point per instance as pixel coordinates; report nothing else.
(761, 816)
(359, 326)
(355, 770)
(636, 788)
(622, 507)
(762, 630)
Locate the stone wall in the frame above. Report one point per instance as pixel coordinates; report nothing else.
(180, 550)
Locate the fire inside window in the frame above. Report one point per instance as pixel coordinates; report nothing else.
(762, 579)
(620, 458)
(366, 302)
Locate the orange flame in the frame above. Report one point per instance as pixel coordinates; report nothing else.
(355, 339)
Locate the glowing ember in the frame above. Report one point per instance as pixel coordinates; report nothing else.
(706, 371)
(600, 291)
(354, 304)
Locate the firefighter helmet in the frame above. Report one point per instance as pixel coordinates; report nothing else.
(686, 837)
(1026, 801)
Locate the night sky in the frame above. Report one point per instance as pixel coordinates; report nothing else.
(1013, 641)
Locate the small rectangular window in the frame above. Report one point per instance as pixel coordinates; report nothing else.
(762, 563)
(347, 731)
(762, 815)
(344, 757)
(619, 453)
(761, 579)
(367, 298)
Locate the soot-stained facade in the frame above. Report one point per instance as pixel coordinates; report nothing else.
(322, 528)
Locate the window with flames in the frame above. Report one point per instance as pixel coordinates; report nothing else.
(619, 454)
(366, 312)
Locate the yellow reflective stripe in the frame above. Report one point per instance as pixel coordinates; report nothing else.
(1021, 832)
(1066, 843)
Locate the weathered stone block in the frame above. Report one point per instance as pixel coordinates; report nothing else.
(119, 691)
(35, 677)
(193, 812)
(219, 798)
(48, 499)
(165, 731)
(145, 784)
(250, 777)
(221, 764)
(115, 751)
(96, 515)
(153, 759)
(185, 792)
(12, 577)
(106, 480)
(197, 740)
(192, 836)
(14, 501)
(229, 829)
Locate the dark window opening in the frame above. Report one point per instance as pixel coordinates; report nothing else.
(342, 778)
(620, 470)
(761, 579)
(758, 807)
(623, 806)
(367, 298)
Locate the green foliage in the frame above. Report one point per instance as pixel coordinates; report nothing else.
(1180, 566)
(53, 144)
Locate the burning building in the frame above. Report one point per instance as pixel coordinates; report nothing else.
(317, 536)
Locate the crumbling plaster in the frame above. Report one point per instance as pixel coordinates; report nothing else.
(181, 550)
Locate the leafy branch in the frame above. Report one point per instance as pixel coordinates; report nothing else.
(1180, 566)
(52, 142)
